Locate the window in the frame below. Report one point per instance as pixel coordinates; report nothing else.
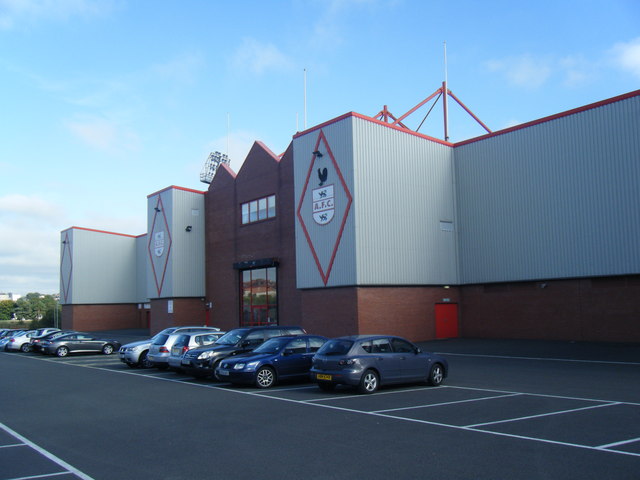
(381, 346)
(259, 209)
(299, 345)
(259, 293)
(315, 343)
(402, 346)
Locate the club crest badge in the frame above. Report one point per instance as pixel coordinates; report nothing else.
(158, 243)
(323, 204)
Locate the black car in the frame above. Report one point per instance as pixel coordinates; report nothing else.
(202, 362)
(36, 342)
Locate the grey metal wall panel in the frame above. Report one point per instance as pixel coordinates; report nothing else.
(325, 253)
(102, 266)
(142, 259)
(404, 194)
(554, 200)
(175, 256)
(188, 273)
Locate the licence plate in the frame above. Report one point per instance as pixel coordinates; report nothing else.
(223, 373)
(322, 376)
(185, 362)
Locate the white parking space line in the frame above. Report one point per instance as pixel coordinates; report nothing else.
(67, 468)
(321, 403)
(618, 444)
(560, 412)
(448, 403)
(13, 445)
(46, 475)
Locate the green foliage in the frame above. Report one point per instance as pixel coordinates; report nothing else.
(6, 309)
(39, 310)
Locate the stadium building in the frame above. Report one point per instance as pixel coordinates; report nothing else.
(364, 226)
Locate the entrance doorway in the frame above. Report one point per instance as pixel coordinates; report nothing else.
(446, 320)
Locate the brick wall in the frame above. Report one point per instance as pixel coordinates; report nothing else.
(599, 309)
(89, 318)
(186, 312)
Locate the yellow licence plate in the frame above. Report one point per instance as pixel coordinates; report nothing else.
(322, 376)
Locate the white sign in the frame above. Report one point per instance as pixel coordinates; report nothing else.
(169, 306)
(158, 243)
(323, 204)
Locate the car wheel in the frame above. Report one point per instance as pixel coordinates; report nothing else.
(369, 382)
(62, 351)
(144, 361)
(25, 347)
(107, 349)
(327, 386)
(265, 377)
(436, 375)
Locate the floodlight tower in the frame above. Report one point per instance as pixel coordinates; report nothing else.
(211, 164)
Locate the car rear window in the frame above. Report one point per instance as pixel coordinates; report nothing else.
(160, 339)
(336, 347)
(182, 340)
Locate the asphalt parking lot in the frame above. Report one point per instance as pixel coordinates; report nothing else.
(509, 409)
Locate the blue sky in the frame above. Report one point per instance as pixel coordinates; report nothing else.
(104, 102)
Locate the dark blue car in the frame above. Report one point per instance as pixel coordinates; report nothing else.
(368, 361)
(276, 359)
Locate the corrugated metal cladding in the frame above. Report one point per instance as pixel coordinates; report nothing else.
(329, 251)
(102, 266)
(400, 228)
(142, 259)
(175, 244)
(555, 200)
(404, 208)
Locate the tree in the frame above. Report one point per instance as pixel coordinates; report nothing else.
(6, 309)
(40, 309)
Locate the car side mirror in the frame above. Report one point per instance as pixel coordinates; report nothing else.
(287, 352)
(418, 351)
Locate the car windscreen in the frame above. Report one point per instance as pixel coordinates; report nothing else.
(336, 347)
(273, 345)
(232, 337)
(160, 339)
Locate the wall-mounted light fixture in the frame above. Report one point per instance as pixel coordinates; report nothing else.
(317, 153)
(156, 209)
(188, 229)
(64, 242)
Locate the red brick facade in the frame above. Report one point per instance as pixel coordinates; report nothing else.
(102, 317)
(184, 311)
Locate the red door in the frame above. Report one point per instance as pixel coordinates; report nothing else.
(446, 320)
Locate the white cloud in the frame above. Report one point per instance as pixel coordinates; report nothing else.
(182, 69)
(29, 243)
(15, 13)
(523, 71)
(258, 57)
(626, 56)
(103, 134)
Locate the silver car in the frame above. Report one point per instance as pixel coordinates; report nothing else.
(20, 341)
(187, 341)
(160, 348)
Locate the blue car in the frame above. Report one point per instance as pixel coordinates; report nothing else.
(276, 359)
(368, 361)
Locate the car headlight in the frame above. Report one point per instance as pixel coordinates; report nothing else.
(206, 355)
(238, 366)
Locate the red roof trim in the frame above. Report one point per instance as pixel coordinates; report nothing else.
(556, 116)
(268, 150)
(101, 231)
(376, 121)
(173, 187)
